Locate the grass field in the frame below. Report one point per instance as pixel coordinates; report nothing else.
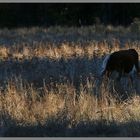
(48, 82)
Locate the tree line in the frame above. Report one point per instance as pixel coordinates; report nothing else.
(67, 14)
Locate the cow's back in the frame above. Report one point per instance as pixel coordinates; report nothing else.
(122, 60)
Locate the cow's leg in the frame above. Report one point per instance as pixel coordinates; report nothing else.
(132, 79)
(137, 66)
(133, 75)
(119, 77)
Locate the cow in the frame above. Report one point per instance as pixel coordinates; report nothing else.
(122, 61)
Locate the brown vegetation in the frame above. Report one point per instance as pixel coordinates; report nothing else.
(48, 83)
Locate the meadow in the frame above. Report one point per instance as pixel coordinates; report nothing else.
(48, 82)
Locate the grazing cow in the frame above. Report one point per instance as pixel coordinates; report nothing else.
(123, 61)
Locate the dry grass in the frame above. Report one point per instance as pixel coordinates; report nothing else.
(48, 83)
(25, 107)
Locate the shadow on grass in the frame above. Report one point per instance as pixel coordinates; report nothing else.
(74, 70)
(56, 128)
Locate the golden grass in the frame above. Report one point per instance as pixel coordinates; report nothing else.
(64, 50)
(25, 105)
(29, 105)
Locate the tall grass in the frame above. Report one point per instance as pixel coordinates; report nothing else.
(49, 83)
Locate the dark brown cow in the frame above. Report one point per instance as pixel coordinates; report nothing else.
(123, 61)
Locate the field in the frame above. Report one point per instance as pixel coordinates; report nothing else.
(49, 82)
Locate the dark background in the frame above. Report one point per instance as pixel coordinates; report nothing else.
(67, 14)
